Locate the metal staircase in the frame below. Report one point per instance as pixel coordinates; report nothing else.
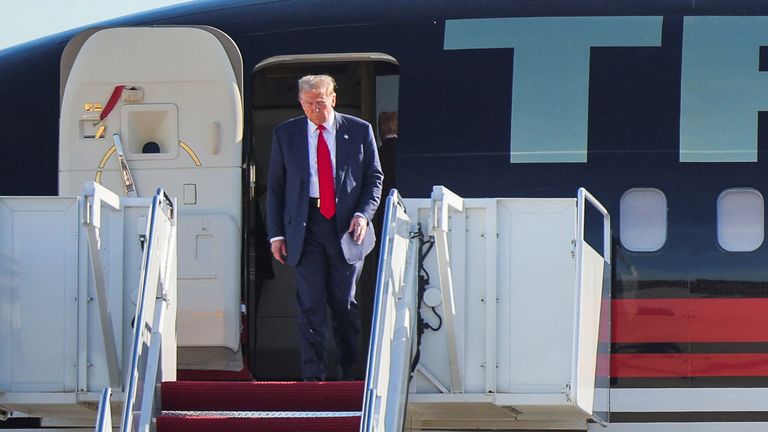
(490, 313)
(515, 322)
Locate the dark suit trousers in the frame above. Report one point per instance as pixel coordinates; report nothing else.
(326, 281)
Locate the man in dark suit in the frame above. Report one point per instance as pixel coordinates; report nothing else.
(324, 183)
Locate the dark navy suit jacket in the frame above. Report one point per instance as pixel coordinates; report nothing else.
(358, 179)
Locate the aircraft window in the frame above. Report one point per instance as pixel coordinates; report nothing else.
(643, 219)
(740, 216)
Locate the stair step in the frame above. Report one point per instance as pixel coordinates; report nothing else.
(258, 424)
(262, 414)
(262, 396)
(213, 375)
(202, 406)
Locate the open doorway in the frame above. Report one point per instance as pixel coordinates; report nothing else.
(367, 86)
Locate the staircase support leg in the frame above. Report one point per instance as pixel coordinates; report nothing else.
(442, 201)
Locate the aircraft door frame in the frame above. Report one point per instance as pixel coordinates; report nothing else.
(367, 84)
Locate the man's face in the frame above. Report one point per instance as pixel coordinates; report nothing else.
(318, 105)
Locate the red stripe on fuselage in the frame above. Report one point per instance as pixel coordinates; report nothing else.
(688, 365)
(650, 365)
(689, 320)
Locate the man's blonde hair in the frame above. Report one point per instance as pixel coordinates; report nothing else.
(323, 83)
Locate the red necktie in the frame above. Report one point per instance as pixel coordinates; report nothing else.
(325, 176)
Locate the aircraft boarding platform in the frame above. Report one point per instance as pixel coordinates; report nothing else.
(89, 286)
(514, 308)
(69, 330)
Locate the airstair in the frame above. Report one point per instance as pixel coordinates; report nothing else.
(73, 337)
(491, 314)
(546, 333)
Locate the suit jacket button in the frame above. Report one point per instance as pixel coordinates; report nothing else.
(304, 223)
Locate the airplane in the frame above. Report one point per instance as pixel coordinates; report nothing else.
(651, 112)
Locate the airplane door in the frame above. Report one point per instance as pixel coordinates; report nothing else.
(173, 96)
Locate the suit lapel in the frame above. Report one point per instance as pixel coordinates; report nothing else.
(342, 150)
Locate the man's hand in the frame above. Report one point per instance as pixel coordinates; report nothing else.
(358, 227)
(279, 250)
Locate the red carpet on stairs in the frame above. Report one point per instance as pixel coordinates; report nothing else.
(212, 424)
(215, 402)
(262, 396)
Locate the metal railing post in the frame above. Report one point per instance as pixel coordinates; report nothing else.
(583, 196)
(442, 201)
(94, 195)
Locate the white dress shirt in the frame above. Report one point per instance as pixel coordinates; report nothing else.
(330, 138)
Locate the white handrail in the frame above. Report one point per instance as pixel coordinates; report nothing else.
(144, 368)
(104, 415)
(584, 195)
(391, 347)
(377, 320)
